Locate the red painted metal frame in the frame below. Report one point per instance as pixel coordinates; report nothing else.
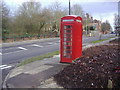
(76, 36)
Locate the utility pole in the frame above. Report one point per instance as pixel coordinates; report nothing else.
(101, 29)
(86, 24)
(118, 23)
(69, 7)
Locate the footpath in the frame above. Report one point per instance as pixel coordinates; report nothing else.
(39, 74)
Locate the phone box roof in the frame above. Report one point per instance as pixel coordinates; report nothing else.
(72, 17)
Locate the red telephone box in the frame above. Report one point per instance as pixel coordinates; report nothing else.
(70, 38)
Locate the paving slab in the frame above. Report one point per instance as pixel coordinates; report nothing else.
(34, 74)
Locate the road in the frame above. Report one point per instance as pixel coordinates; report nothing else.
(15, 54)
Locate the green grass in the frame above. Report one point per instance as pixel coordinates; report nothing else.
(99, 41)
(41, 57)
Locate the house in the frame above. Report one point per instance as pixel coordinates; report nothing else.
(90, 22)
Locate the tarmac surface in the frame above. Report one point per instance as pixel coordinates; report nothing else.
(34, 74)
(39, 74)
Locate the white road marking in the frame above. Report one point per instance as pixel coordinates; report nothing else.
(55, 43)
(22, 48)
(36, 45)
(50, 43)
(0, 53)
(4, 67)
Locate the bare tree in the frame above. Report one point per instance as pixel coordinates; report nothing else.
(31, 18)
(5, 20)
(77, 10)
(5, 15)
(28, 17)
(57, 13)
(105, 26)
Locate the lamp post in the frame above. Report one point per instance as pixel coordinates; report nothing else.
(86, 24)
(69, 7)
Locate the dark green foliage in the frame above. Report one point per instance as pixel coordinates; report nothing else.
(89, 28)
(92, 28)
(5, 34)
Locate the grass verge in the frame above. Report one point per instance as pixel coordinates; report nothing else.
(41, 57)
(97, 41)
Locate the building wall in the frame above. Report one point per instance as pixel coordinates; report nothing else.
(90, 22)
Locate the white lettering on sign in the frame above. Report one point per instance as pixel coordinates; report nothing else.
(68, 20)
(78, 20)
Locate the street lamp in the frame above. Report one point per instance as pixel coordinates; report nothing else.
(86, 24)
(69, 7)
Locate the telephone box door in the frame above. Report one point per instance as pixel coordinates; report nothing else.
(67, 42)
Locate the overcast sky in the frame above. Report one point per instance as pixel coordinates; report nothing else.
(99, 9)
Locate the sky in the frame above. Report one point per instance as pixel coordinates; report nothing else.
(99, 9)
